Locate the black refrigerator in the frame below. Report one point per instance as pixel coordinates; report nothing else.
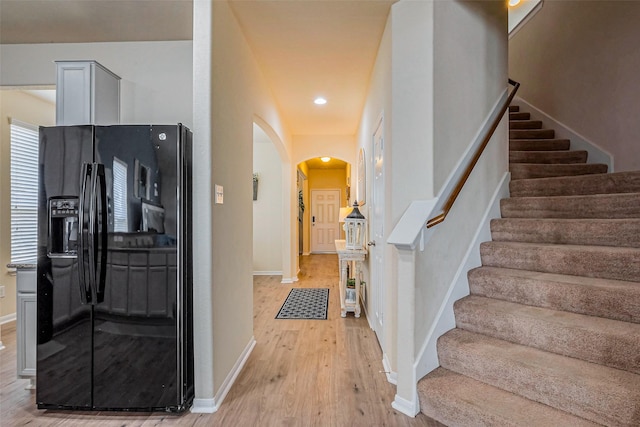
(114, 268)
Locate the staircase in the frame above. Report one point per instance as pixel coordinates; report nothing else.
(550, 334)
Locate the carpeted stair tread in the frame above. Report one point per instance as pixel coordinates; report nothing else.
(553, 315)
(531, 170)
(618, 182)
(595, 339)
(532, 134)
(593, 231)
(525, 124)
(539, 144)
(621, 205)
(608, 298)
(458, 400)
(548, 157)
(598, 393)
(519, 116)
(604, 262)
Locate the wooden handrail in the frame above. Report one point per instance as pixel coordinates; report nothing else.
(463, 179)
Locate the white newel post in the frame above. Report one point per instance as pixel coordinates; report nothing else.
(409, 234)
(406, 399)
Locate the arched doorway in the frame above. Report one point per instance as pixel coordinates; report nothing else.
(326, 188)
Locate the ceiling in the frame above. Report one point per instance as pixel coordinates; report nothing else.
(305, 48)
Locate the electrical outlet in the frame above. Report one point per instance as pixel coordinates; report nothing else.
(2, 291)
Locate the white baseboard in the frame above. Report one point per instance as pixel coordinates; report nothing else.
(392, 376)
(406, 407)
(267, 273)
(204, 406)
(208, 406)
(7, 318)
(427, 359)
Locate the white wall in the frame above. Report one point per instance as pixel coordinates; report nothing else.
(470, 77)
(267, 210)
(156, 85)
(579, 63)
(338, 146)
(448, 70)
(239, 94)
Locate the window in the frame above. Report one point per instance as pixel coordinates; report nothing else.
(24, 192)
(120, 214)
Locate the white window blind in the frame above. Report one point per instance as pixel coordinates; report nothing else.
(24, 192)
(120, 211)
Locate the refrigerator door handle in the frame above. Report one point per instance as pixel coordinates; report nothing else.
(102, 235)
(83, 276)
(92, 236)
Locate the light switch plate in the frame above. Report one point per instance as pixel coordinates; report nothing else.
(219, 194)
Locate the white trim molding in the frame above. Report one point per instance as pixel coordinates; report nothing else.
(267, 273)
(209, 406)
(392, 376)
(7, 318)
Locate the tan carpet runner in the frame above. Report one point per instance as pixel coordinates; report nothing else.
(550, 335)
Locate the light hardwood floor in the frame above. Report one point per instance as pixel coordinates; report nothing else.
(300, 373)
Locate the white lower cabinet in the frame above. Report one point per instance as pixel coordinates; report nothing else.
(26, 325)
(26, 334)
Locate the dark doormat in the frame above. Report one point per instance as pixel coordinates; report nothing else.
(305, 303)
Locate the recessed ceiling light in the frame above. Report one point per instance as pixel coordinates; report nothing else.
(319, 101)
(325, 159)
(513, 2)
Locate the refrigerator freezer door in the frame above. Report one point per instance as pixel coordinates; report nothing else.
(64, 323)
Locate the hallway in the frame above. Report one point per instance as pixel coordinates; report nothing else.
(301, 372)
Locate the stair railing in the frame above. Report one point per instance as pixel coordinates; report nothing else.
(463, 179)
(412, 230)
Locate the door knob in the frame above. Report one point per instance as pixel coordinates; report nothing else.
(371, 243)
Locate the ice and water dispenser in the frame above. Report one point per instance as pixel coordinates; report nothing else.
(63, 227)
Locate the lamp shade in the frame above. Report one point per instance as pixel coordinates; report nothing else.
(343, 213)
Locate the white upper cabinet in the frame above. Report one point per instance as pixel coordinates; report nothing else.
(86, 93)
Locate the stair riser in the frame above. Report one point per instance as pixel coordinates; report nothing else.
(532, 134)
(623, 182)
(613, 300)
(589, 261)
(539, 144)
(525, 124)
(519, 116)
(528, 171)
(608, 397)
(597, 232)
(603, 341)
(611, 206)
(547, 157)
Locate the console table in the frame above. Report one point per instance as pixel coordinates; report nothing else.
(346, 256)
